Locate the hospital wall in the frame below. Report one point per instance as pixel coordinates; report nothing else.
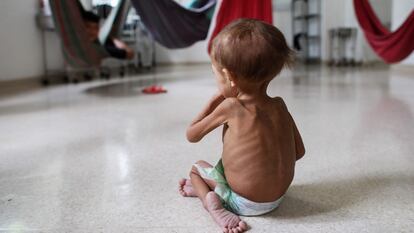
(21, 53)
(20, 40)
(400, 11)
(335, 13)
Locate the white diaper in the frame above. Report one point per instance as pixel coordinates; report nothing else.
(245, 207)
(231, 200)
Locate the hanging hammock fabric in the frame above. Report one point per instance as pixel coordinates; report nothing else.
(197, 4)
(234, 9)
(392, 47)
(113, 24)
(173, 25)
(78, 50)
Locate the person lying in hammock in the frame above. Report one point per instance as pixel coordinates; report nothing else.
(115, 47)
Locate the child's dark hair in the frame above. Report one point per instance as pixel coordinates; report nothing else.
(252, 50)
(90, 17)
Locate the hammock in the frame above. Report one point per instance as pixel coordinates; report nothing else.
(173, 25)
(197, 4)
(78, 50)
(113, 24)
(392, 47)
(234, 9)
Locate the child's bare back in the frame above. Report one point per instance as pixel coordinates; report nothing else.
(260, 140)
(259, 151)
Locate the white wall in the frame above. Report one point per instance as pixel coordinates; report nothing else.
(196, 53)
(20, 47)
(282, 18)
(333, 14)
(363, 50)
(21, 53)
(400, 11)
(341, 13)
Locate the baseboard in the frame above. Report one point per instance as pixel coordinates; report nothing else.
(21, 81)
(16, 86)
(403, 69)
(32, 79)
(182, 63)
(370, 63)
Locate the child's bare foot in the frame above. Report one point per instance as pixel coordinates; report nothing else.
(229, 222)
(186, 188)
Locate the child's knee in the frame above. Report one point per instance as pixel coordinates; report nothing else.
(194, 171)
(203, 164)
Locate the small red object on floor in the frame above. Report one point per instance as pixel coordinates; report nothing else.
(154, 89)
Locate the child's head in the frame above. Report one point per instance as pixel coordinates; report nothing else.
(251, 52)
(92, 24)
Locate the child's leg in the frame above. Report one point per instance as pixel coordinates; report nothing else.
(203, 188)
(186, 188)
(200, 185)
(185, 185)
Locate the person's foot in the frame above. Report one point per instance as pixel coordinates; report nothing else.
(186, 188)
(229, 222)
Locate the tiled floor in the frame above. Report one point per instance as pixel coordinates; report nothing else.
(102, 157)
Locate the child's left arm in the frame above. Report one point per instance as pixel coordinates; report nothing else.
(209, 108)
(214, 114)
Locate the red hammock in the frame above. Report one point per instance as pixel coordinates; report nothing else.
(235, 9)
(392, 47)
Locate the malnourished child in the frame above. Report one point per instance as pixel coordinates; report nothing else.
(261, 142)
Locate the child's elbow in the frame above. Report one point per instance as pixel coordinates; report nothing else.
(300, 153)
(191, 137)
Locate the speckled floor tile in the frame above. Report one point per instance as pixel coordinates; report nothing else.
(102, 157)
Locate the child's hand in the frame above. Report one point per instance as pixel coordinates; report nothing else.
(212, 116)
(211, 105)
(218, 96)
(216, 100)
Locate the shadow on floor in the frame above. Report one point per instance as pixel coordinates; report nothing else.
(132, 88)
(125, 88)
(119, 89)
(313, 199)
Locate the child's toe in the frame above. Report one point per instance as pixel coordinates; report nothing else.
(182, 182)
(243, 225)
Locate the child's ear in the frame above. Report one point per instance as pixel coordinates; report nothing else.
(229, 77)
(226, 73)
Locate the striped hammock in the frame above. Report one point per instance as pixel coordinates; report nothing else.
(78, 50)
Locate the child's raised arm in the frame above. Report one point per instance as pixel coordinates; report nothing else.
(211, 105)
(213, 115)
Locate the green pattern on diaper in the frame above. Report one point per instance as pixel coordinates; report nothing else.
(222, 189)
(231, 200)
